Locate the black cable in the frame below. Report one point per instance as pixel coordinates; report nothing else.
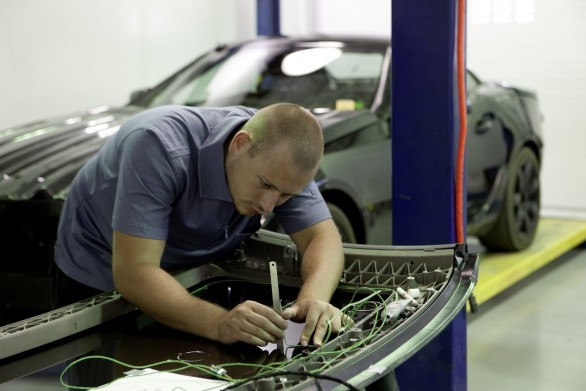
(306, 374)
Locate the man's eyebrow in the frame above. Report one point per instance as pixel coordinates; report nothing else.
(268, 182)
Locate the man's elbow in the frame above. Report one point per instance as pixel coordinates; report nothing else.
(122, 281)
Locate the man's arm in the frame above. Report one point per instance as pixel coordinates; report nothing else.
(140, 279)
(321, 269)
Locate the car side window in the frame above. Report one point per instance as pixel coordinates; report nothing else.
(356, 76)
(346, 81)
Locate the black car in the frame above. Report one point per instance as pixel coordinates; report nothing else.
(346, 84)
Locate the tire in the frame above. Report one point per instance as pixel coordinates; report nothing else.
(342, 223)
(516, 224)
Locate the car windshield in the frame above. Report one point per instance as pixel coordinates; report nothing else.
(319, 78)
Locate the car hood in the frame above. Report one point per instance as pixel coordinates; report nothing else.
(38, 160)
(337, 124)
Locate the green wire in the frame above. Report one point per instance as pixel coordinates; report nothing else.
(185, 365)
(349, 310)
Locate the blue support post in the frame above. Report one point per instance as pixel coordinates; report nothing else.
(425, 133)
(268, 18)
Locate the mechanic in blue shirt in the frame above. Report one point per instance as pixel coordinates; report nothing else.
(181, 185)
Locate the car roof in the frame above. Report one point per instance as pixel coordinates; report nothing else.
(315, 40)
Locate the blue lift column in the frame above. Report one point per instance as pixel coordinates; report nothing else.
(267, 17)
(425, 124)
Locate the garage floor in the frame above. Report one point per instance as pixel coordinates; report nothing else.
(533, 335)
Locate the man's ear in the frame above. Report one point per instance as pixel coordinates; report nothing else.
(240, 141)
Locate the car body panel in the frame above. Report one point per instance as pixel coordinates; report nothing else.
(45, 156)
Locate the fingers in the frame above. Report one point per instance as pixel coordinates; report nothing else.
(317, 326)
(322, 320)
(252, 323)
(257, 324)
(291, 313)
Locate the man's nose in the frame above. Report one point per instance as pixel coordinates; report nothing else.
(269, 200)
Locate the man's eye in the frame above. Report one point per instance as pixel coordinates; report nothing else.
(266, 185)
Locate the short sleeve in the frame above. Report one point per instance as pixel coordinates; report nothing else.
(147, 187)
(303, 210)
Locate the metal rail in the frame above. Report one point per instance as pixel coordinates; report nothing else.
(69, 320)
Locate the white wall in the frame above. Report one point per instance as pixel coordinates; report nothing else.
(344, 17)
(545, 52)
(548, 55)
(60, 56)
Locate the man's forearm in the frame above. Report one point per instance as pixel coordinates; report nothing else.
(139, 278)
(323, 263)
(321, 268)
(160, 296)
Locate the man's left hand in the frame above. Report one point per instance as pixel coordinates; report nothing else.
(319, 316)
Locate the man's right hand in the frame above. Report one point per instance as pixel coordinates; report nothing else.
(140, 279)
(252, 323)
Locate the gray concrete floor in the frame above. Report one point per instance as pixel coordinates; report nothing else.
(533, 336)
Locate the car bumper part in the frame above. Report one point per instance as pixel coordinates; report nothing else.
(377, 343)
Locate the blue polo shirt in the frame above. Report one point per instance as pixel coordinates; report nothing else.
(162, 177)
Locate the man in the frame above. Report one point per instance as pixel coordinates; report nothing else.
(181, 185)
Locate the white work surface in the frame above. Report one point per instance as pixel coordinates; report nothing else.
(151, 380)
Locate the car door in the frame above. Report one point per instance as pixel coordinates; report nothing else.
(486, 147)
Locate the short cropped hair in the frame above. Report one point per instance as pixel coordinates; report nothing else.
(292, 124)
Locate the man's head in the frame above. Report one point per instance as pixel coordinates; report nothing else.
(274, 156)
(290, 124)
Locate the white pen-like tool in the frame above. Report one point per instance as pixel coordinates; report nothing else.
(407, 296)
(276, 299)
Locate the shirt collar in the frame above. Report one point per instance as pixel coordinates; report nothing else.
(211, 168)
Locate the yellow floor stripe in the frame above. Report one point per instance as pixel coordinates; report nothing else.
(499, 271)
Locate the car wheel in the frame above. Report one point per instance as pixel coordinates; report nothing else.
(517, 222)
(342, 223)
